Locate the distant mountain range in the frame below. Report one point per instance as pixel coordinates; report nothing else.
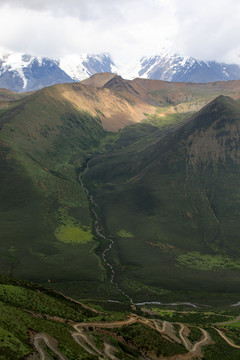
(186, 69)
(22, 72)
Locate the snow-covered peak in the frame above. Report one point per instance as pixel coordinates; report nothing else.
(24, 72)
(18, 60)
(128, 71)
(146, 66)
(169, 66)
(15, 62)
(73, 66)
(80, 67)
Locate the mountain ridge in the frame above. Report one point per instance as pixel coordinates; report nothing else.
(177, 68)
(156, 183)
(172, 193)
(23, 72)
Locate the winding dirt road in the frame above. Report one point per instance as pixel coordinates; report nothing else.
(88, 344)
(41, 337)
(109, 351)
(196, 347)
(168, 330)
(229, 322)
(39, 347)
(85, 342)
(110, 325)
(157, 327)
(183, 333)
(206, 339)
(229, 341)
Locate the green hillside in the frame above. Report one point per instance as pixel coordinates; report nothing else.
(141, 223)
(45, 220)
(171, 205)
(38, 322)
(165, 192)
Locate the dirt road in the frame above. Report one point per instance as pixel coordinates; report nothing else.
(183, 333)
(87, 341)
(229, 341)
(204, 341)
(109, 325)
(230, 321)
(41, 337)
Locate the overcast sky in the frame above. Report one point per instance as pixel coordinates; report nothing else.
(128, 29)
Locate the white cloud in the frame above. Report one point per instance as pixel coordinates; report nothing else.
(128, 29)
(208, 29)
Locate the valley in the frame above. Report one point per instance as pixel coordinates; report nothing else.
(124, 238)
(123, 196)
(70, 137)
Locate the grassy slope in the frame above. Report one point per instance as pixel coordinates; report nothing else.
(41, 139)
(45, 220)
(171, 195)
(152, 226)
(19, 303)
(27, 309)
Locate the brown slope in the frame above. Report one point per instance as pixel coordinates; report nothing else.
(115, 110)
(7, 97)
(117, 83)
(98, 80)
(175, 97)
(176, 93)
(187, 96)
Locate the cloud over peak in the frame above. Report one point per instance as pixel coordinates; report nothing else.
(125, 28)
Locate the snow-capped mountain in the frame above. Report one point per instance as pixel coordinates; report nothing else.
(84, 66)
(177, 68)
(21, 72)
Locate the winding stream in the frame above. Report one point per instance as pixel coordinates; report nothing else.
(100, 232)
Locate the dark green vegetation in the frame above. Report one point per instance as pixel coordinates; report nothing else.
(42, 138)
(29, 310)
(200, 317)
(167, 193)
(24, 311)
(46, 226)
(176, 193)
(166, 190)
(220, 349)
(147, 339)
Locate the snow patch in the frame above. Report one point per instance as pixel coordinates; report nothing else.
(72, 65)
